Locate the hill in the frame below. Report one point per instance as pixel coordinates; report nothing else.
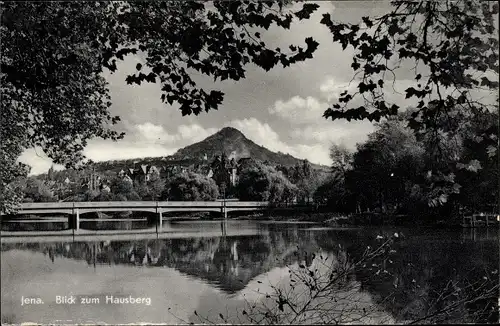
(231, 141)
(228, 140)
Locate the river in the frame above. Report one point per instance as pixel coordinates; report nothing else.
(196, 274)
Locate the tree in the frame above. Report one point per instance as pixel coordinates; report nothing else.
(156, 186)
(191, 186)
(259, 182)
(341, 159)
(124, 189)
(53, 55)
(307, 186)
(453, 42)
(479, 176)
(38, 191)
(152, 189)
(331, 189)
(334, 193)
(304, 177)
(386, 167)
(105, 196)
(142, 190)
(454, 48)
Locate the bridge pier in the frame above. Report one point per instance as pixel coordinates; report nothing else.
(74, 220)
(159, 222)
(224, 210)
(224, 228)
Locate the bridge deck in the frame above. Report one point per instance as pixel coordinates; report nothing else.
(146, 206)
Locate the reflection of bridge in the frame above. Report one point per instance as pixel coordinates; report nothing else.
(74, 209)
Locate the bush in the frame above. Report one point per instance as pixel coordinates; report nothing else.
(259, 182)
(191, 186)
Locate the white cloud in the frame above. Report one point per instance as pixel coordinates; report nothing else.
(186, 134)
(153, 140)
(338, 132)
(154, 133)
(97, 150)
(38, 161)
(300, 110)
(260, 133)
(107, 150)
(194, 133)
(331, 88)
(318, 153)
(147, 140)
(306, 111)
(264, 135)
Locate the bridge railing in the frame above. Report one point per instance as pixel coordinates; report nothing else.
(247, 203)
(189, 204)
(92, 204)
(25, 206)
(140, 204)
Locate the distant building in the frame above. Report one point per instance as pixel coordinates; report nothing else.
(224, 171)
(92, 181)
(142, 174)
(243, 161)
(50, 173)
(232, 156)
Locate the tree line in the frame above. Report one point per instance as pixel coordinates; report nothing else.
(400, 171)
(257, 181)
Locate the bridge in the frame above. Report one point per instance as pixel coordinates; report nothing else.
(74, 209)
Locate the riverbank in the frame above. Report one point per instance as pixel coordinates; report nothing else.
(330, 219)
(333, 219)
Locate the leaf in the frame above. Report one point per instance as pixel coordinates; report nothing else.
(170, 99)
(306, 11)
(367, 22)
(474, 166)
(491, 150)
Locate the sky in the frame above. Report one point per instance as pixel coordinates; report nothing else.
(281, 109)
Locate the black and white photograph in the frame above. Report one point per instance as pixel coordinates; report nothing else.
(249, 162)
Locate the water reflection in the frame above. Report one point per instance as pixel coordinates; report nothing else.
(423, 263)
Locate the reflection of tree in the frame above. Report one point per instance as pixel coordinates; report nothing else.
(228, 262)
(421, 274)
(426, 275)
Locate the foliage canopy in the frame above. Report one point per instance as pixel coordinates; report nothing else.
(53, 55)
